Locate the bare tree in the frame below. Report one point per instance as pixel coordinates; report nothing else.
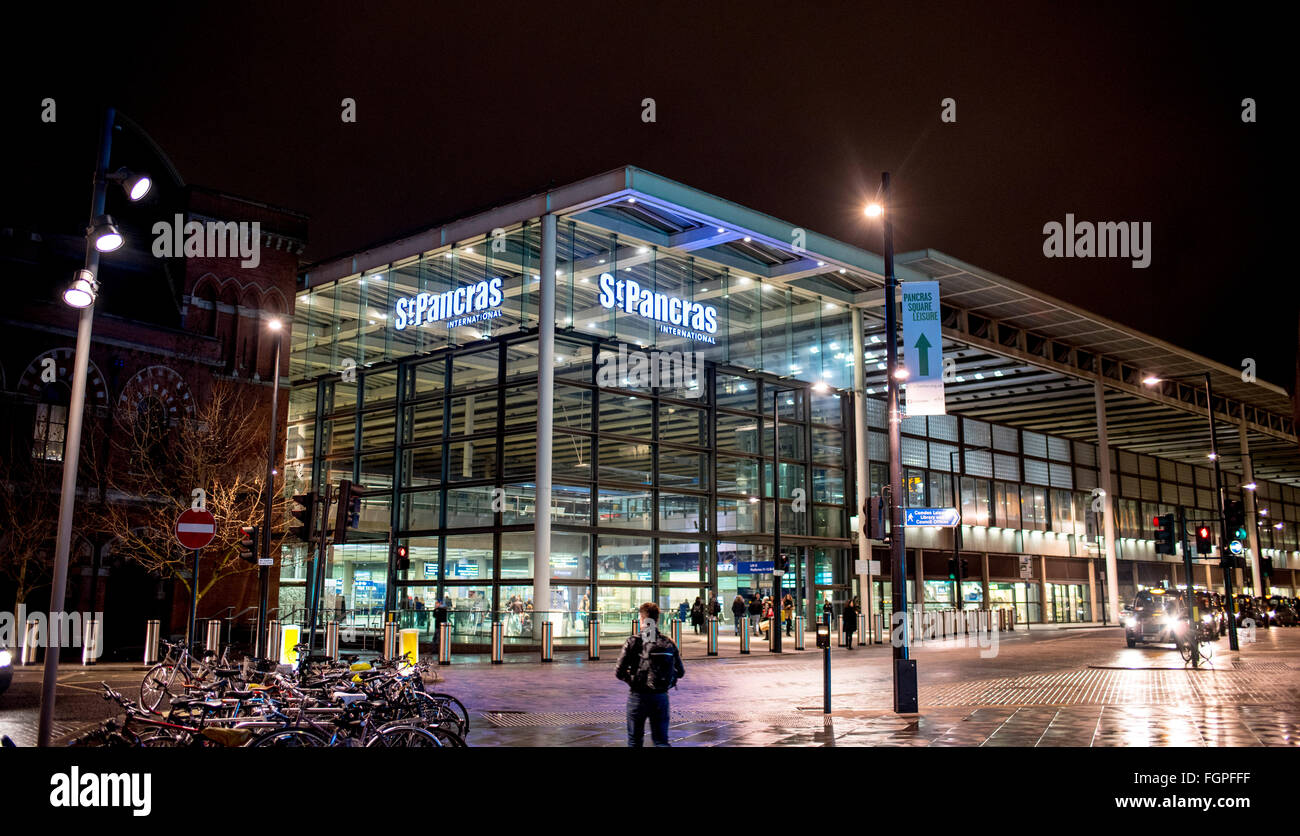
(29, 514)
(221, 448)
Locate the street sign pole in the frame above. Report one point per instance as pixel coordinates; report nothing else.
(194, 600)
(774, 634)
(1193, 616)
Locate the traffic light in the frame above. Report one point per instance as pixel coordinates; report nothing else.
(873, 525)
(781, 563)
(1266, 567)
(348, 515)
(1164, 525)
(401, 559)
(965, 567)
(1234, 513)
(952, 568)
(248, 545)
(1203, 539)
(306, 515)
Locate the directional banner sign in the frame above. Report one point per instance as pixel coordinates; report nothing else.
(947, 517)
(923, 348)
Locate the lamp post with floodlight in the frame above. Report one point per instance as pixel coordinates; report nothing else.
(102, 236)
(264, 564)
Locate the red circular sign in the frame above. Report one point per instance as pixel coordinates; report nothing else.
(195, 529)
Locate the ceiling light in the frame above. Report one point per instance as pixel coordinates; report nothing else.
(874, 210)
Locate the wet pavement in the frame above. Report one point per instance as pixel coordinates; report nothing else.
(1046, 688)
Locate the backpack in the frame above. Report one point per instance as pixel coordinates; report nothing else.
(658, 672)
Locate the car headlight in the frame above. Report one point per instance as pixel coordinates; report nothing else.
(1272, 613)
(1207, 618)
(6, 658)
(1130, 622)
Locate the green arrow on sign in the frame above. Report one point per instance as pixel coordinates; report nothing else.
(922, 348)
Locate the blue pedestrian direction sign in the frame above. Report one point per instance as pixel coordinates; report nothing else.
(1235, 547)
(755, 567)
(923, 348)
(946, 517)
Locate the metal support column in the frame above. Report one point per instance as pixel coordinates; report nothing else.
(1252, 513)
(862, 458)
(1108, 503)
(545, 421)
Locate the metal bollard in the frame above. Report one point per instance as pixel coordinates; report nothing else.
(498, 639)
(90, 642)
(273, 640)
(863, 636)
(548, 641)
(713, 635)
(390, 639)
(675, 631)
(31, 640)
(744, 637)
(212, 641)
(152, 628)
(332, 640)
(799, 632)
(880, 628)
(593, 637)
(636, 624)
(844, 641)
(444, 643)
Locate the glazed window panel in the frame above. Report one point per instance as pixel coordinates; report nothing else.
(422, 466)
(828, 484)
(471, 460)
(475, 413)
(420, 510)
(828, 446)
(625, 509)
(423, 422)
(572, 407)
(624, 558)
(735, 392)
(625, 461)
(519, 459)
(737, 432)
(737, 475)
(682, 468)
(737, 515)
(683, 425)
(378, 430)
(570, 454)
(470, 507)
(680, 512)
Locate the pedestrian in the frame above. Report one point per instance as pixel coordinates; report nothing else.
(683, 609)
(697, 615)
(738, 612)
(787, 613)
(439, 620)
(828, 611)
(715, 607)
(756, 613)
(650, 664)
(849, 615)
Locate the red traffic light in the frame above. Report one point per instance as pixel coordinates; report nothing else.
(1203, 532)
(1155, 521)
(401, 551)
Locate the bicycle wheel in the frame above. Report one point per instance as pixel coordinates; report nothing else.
(436, 712)
(405, 737)
(448, 738)
(290, 738)
(162, 683)
(457, 707)
(1207, 651)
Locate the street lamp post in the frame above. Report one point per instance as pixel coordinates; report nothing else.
(1222, 504)
(264, 567)
(904, 667)
(101, 236)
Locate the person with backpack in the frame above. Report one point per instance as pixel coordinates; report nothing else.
(683, 610)
(738, 612)
(787, 613)
(650, 664)
(697, 615)
(756, 613)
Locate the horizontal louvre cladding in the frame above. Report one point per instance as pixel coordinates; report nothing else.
(1204, 498)
(1204, 477)
(979, 463)
(1169, 493)
(1128, 462)
(941, 458)
(1060, 475)
(1085, 479)
(1185, 473)
(1148, 466)
(976, 432)
(876, 412)
(1151, 490)
(1006, 438)
(943, 427)
(1066, 569)
(1036, 472)
(914, 425)
(914, 453)
(1168, 471)
(1035, 444)
(1085, 454)
(1186, 496)
(878, 447)
(1058, 449)
(1006, 467)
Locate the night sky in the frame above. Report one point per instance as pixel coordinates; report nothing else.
(1123, 112)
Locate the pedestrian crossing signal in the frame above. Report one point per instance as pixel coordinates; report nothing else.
(1203, 544)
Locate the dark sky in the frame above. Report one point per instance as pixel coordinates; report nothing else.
(1112, 112)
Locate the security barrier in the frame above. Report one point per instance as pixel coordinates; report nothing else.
(593, 636)
(879, 629)
(548, 641)
(498, 637)
(90, 642)
(272, 639)
(212, 640)
(332, 640)
(844, 640)
(713, 635)
(444, 644)
(390, 639)
(863, 636)
(152, 630)
(799, 632)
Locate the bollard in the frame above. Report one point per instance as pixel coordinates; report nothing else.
(880, 628)
(636, 624)
(548, 641)
(31, 640)
(273, 640)
(408, 645)
(799, 632)
(444, 643)
(390, 639)
(844, 640)
(212, 641)
(593, 637)
(332, 640)
(713, 635)
(498, 638)
(744, 637)
(152, 628)
(863, 636)
(90, 642)
(675, 631)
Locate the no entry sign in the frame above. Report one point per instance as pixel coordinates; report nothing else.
(195, 529)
